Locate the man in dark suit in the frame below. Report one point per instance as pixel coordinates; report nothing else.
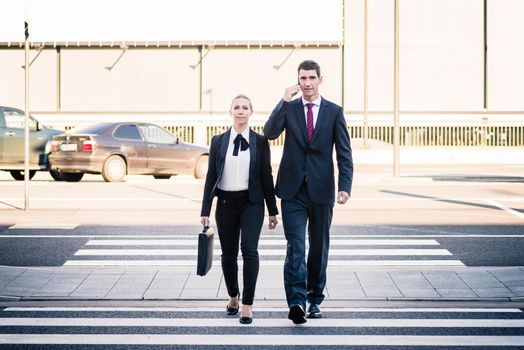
(306, 185)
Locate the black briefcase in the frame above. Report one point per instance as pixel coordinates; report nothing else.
(205, 251)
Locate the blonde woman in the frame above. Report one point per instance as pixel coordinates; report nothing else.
(239, 175)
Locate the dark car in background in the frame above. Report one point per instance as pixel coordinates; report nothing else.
(12, 144)
(117, 149)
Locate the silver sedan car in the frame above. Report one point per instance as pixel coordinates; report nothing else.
(117, 149)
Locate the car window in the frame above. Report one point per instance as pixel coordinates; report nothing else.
(128, 132)
(15, 119)
(156, 134)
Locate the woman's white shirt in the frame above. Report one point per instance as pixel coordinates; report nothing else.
(235, 176)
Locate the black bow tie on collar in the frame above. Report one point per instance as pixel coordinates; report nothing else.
(241, 142)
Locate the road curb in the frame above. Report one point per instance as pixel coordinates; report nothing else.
(384, 299)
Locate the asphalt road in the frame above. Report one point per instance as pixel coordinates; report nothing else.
(431, 216)
(472, 246)
(473, 215)
(184, 327)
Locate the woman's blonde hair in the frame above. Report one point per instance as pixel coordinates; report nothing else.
(243, 96)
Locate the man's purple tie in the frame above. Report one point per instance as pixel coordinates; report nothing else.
(309, 121)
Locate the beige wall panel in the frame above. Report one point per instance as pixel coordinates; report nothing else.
(381, 22)
(441, 57)
(42, 84)
(505, 78)
(441, 78)
(441, 22)
(12, 81)
(380, 52)
(228, 72)
(354, 60)
(441, 66)
(506, 54)
(141, 80)
(380, 78)
(505, 23)
(354, 79)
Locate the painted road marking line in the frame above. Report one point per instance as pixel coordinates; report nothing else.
(120, 199)
(45, 226)
(262, 252)
(260, 322)
(263, 263)
(506, 209)
(270, 242)
(263, 238)
(199, 199)
(261, 309)
(258, 339)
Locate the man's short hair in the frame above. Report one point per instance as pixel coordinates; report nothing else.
(309, 65)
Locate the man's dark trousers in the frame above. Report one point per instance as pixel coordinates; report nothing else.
(296, 213)
(306, 186)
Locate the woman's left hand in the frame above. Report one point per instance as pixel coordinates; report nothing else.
(272, 222)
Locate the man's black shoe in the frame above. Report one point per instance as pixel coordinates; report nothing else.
(297, 314)
(314, 311)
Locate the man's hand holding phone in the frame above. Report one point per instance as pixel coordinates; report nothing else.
(290, 92)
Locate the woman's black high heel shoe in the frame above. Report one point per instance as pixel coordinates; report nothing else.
(245, 319)
(231, 311)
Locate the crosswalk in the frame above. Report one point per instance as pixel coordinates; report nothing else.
(381, 328)
(180, 250)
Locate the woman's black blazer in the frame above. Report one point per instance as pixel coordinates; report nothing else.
(260, 177)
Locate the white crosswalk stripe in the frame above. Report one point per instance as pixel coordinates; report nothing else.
(265, 309)
(265, 322)
(263, 252)
(263, 242)
(181, 251)
(274, 340)
(186, 327)
(263, 263)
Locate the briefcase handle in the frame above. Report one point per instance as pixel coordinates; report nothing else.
(207, 230)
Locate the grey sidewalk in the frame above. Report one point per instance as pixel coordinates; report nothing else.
(108, 283)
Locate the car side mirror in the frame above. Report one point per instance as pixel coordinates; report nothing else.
(34, 125)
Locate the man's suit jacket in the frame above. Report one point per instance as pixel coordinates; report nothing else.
(260, 178)
(312, 161)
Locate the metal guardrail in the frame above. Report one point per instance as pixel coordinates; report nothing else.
(495, 136)
(492, 136)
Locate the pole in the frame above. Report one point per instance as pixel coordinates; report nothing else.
(200, 48)
(485, 55)
(396, 123)
(343, 55)
(366, 111)
(26, 122)
(58, 78)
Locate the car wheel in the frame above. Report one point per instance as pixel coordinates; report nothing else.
(201, 167)
(56, 175)
(160, 177)
(19, 174)
(72, 177)
(114, 169)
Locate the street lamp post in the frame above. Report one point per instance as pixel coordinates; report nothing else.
(396, 123)
(26, 122)
(366, 111)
